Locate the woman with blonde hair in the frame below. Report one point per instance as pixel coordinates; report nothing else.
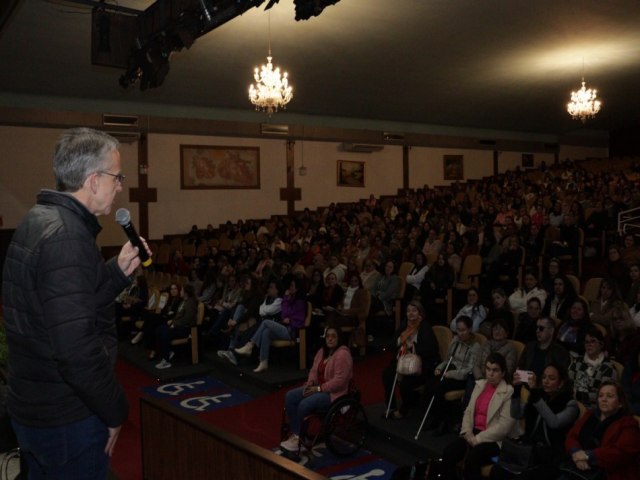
(414, 335)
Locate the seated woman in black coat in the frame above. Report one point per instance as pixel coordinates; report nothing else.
(548, 414)
(415, 332)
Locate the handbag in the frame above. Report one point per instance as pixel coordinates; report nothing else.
(409, 364)
(516, 456)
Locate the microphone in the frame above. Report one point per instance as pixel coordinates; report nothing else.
(123, 217)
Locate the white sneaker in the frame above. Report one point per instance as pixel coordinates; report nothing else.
(228, 354)
(163, 364)
(262, 366)
(291, 444)
(246, 350)
(137, 338)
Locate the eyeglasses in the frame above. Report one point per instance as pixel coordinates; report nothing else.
(118, 176)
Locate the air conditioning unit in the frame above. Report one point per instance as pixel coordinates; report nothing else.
(274, 129)
(361, 148)
(116, 120)
(125, 137)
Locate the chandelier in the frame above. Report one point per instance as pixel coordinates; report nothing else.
(583, 102)
(271, 90)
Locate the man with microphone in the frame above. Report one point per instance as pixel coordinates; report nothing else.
(65, 403)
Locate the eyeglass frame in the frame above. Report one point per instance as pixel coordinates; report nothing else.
(118, 176)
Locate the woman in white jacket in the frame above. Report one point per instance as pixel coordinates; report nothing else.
(487, 421)
(473, 309)
(519, 298)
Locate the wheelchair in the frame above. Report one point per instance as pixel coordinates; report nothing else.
(343, 427)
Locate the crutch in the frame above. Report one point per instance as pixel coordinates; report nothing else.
(393, 388)
(433, 397)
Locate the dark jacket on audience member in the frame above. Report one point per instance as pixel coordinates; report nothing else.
(555, 353)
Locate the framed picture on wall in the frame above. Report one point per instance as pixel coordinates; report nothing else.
(453, 167)
(350, 174)
(207, 167)
(527, 160)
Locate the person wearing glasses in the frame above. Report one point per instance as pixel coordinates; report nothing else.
(58, 296)
(541, 352)
(592, 369)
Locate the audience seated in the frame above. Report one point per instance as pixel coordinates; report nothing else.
(542, 352)
(587, 372)
(463, 352)
(500, 310)
(152, 320)
(244, 318)
(177, 327)
(415, 335)
(486, 422)
(624, 338)
(518, 300)
(560, 301)
(604, 440)
(527, 321)
(571, 332)
(602, 307)
(548, 414)
(328, 380)
(273, 326)
(473, 310)
(634, 284)
(514, 206)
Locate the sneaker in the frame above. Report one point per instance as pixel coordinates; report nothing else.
(171, 355)
(246, 350)
(262, 366)
(163, 364)
(137, 338)
(291, 444)
(228, 354)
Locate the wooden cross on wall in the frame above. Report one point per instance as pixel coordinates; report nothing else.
(143, 195)
(290, 194)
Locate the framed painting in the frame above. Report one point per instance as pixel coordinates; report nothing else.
(453, 167)
(350, 174)
(207, 166)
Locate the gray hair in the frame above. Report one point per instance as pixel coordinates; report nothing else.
(79, 153)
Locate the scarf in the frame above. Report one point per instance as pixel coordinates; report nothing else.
(592, 365)
(410, 331)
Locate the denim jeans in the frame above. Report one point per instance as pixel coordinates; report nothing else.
(71, 451)
(267, 331)
(298, 406)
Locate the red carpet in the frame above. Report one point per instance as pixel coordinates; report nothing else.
(257, 421)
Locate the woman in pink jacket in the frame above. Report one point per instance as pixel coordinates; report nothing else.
(328, 380)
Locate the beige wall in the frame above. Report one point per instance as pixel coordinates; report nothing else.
(383, 173)
(511, 160)
(575, 152)
(176, 209)
(426, 165)
(25, 167)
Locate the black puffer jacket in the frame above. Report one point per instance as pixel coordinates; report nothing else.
(58, 296)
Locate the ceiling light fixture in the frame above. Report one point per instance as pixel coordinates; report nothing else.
(271, 90)
(583, 102)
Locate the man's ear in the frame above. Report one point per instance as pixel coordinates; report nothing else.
(91, 183)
